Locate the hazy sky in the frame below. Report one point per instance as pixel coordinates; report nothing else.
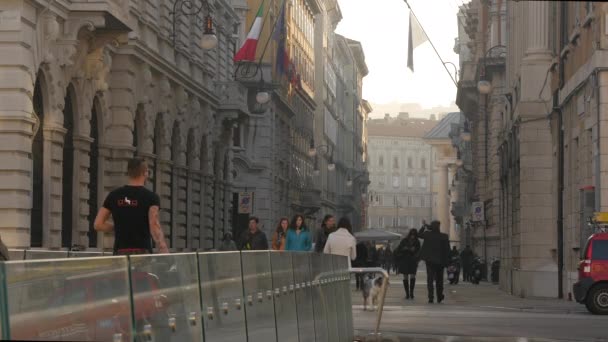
(382, 28)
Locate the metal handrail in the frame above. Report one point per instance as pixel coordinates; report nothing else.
(382, 291)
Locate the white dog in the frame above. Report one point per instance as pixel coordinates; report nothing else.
(371, 290)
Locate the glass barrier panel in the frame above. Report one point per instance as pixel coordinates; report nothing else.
(259, 294)
(33, 254)
(305, 308)
(342, 290)
(85, 299)
(345, 266)
(284, 300)
(222, 291)
(330, 295)
(16, 254)
(84, 254)
(319, 298)
(166, 297)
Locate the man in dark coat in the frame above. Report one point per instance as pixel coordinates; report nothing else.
(253, 238)
(466, 257)
(360, 261)
(328, 226)
(435, 252)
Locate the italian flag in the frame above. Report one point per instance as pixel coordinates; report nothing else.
(247, 51)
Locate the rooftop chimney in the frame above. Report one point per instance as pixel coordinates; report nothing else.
(387, 116)
(404, 115)
(433, 117)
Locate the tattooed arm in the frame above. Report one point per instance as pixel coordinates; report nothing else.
(156, 231)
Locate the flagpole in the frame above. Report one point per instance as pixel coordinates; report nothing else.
(433, 45)
(274, 27)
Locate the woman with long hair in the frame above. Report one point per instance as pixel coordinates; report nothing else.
(407, 258)
(298, 235)
(342, 242)
(278, 238)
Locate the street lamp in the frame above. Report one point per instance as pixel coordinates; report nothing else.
(350, 180)
(484, 86)
(465, 135)
(459, 161)
(312, 152)
(187, 7)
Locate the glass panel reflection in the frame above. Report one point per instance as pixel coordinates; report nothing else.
(319, 298)
(302, 274)
(257, 282)
(330, 294)
(284, 300)
(169, 308)
(33, 254)
(83, 299)
(222, 291)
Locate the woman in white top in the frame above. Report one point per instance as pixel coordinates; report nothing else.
(341, 242)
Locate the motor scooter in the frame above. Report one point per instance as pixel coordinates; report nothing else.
(454, 270)
(476, 270)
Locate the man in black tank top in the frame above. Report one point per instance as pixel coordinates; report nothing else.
(135, 212)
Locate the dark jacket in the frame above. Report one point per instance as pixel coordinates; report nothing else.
(321, 238)
(436, 247)
(361, 260)
(256, 241)
(406, 256)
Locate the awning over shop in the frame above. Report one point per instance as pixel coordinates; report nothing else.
(376, 235)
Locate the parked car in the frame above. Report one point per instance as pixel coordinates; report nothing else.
(592, 286)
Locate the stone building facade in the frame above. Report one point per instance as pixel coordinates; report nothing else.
(401, 173)
(273, 162)
(578, 71)
(534, 84)
(84, 87)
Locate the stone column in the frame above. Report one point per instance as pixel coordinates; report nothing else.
(442, 200)
(538, 30)
(80, 213)
(53, 136)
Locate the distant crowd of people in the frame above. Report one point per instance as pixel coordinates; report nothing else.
(296, 236)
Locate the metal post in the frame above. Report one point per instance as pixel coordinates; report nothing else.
(385, 277)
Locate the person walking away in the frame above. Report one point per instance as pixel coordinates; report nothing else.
(298, 236)
(342, 242)
(360, 261)
(406, 255)
(381, 257)
(466, 258)
(278, 238)
(253, 238)
(388, 259)
(372, 254)
(435, 252)
(227, 243)
(135, 212)
(328, 226)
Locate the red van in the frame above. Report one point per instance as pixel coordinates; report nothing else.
(592, 286)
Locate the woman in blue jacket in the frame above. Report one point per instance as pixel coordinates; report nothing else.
(298, 236)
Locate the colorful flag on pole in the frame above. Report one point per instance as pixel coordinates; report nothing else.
(416, 37)
(247, 51)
